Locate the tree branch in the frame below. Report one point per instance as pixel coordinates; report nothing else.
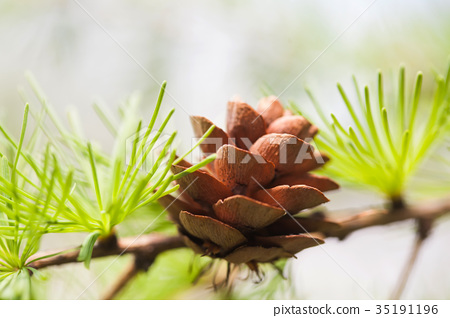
(149, 246)
(146, 247)
(129, 273)
(404, 277)
(428, 211)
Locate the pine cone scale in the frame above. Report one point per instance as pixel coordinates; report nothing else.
(216, 139)
(285, 151)
(243, 212)
(234, 166)
(292, 198)
(244, 124)
(212, 230)
(321, 183)
(202, 186)
(290, 243)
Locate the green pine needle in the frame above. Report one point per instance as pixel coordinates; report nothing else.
(72, 185)
(87, 248)
(384, 145)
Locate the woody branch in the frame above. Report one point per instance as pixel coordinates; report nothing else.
(148, 247)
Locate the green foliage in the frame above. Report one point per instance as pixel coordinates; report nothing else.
(173, 273)
(148, 219)
(433, 179)
(24, 216)
(388, 137)
(16, 286)
(73, 186)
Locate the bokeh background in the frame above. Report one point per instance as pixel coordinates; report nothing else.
(208, 51)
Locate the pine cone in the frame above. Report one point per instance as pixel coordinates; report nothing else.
(240, 207)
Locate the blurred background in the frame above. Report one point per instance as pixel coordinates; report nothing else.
(208, 51)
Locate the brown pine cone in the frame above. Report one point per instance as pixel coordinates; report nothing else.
(241, 207)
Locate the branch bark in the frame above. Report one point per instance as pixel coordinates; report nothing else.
(149, 246)
(404, 277)
(144, 247)
(129, 273)
(427, 211)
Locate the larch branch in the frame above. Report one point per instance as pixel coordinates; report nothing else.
(146, 246)
(149, 246)
(429, 211)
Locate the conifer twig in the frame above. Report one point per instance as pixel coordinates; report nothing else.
(404, 277)
(429, 210)
(149, 246)
(424, 226)
(128, 274)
